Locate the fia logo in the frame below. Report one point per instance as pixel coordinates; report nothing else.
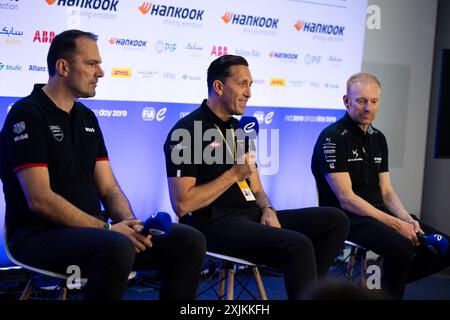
(150, 113)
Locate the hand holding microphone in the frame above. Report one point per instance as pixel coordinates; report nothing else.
(434, 243)
(158, 224)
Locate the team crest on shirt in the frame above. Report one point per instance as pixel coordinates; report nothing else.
(19, 127)
(57, 132)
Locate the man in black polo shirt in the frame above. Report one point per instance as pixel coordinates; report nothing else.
(221, 194)
(55, 169)
(350, 165)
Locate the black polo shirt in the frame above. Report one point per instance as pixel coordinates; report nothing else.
(37, 133)
(193, 137)
(344, 147)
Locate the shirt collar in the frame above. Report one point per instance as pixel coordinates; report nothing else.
(353, 126)
(47, 102)
(213, 117)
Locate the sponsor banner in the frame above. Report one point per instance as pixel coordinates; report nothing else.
(155, 55)
(316, 46)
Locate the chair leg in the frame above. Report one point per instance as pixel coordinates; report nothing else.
(350, 266)
(259, 283)
(363, 268)
(27, 291)
(222, 279)
(62, 293)
(230, 282)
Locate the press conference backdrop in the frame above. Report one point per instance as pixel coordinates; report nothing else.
(155, 56)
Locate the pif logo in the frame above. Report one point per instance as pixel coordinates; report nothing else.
(43, 36)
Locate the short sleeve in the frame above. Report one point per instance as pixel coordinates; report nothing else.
(331, 153)
(384, 165)
(179, 153)
(25, 138)
(102, 153)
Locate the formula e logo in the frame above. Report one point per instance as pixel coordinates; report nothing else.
(249, 127)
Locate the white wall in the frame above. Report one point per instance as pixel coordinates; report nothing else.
(401, 55)
(436, 200)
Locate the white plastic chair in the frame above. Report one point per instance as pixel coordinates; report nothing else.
(226, 275)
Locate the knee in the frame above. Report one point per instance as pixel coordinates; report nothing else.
(120, 252)
(339, 221)
(403, 253)
(302, 249)
(192, 240)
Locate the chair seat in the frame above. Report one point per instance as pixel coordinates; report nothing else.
(230, 258)
(349, 243)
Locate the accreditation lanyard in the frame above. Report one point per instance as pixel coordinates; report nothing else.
(234, 152)
(243, 185)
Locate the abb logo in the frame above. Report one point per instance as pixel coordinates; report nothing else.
(219, 51)
(43, 36)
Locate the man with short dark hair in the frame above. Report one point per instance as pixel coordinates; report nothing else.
(55, 168)
(350, 165)
(221, 194)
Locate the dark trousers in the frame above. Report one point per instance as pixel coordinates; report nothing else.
(303, 249)
(402, 261)
(106, 258)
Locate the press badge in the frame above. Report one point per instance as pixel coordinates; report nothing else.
(246, 191)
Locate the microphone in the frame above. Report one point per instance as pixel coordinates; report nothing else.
(158, 224)
(248, 129)
(249, 125)
(435, 243)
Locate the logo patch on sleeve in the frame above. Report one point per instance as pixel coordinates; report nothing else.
(19, 127)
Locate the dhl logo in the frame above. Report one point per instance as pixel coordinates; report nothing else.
(121, 72)
(145, 7)
(227, 17)
(277, 82)
(299, 25)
